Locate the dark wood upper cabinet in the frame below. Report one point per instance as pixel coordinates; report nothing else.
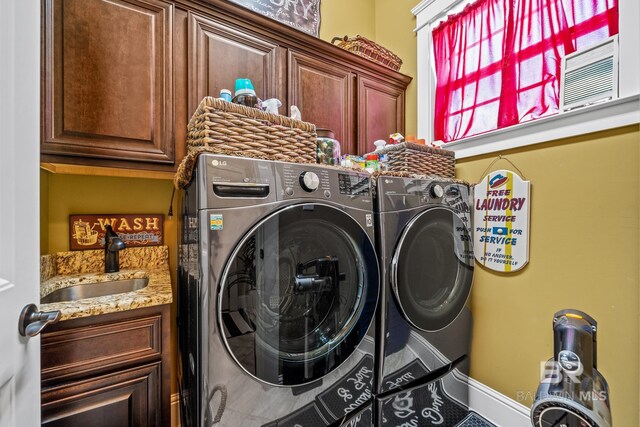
(108, 85)
(380, 112)
(121, 78)
(324, 93)
(219, 54)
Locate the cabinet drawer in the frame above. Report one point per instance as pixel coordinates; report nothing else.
(91, 349)
(123, 398)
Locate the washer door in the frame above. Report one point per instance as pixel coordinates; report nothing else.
(432, 269)
(299, 293)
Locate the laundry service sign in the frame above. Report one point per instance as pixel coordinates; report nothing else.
(501, 221)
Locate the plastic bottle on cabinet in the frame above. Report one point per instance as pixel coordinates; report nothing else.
(372, 163)
(245, 94)
(382, 157)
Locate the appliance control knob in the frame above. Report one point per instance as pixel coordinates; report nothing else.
(309, 181)
(436, 191)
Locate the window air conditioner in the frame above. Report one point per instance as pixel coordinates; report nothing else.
(590, 75)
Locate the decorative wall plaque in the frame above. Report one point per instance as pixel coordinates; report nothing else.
(303, 15)
(87, 231)
(501, 221)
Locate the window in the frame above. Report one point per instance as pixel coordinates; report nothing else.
(497, 63)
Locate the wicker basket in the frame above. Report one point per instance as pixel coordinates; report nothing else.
(222, 127)
(366, 48)
(408, 157)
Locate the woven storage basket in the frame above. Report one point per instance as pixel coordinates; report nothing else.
(366, 48)
(222, 127)
(419, 159)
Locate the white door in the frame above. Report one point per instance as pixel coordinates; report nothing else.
(19, 208)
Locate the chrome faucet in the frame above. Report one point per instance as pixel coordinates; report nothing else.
(112, 245)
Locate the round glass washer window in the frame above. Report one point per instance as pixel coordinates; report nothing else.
(433, 269)
(298, 294)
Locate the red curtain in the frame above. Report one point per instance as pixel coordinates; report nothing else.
(498, 62)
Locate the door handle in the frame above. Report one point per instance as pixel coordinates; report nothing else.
(32, 321)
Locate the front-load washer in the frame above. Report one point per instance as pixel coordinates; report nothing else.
(278, 285)
(424, 324)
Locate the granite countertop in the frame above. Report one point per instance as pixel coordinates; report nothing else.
(64, 269)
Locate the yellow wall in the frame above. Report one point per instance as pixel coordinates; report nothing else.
(73, 194)
(389, 23)
(347, 17)
(394, 30)
(44, 212)
(584, 241)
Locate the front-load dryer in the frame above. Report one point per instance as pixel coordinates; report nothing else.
(278, 285)
(424, 324)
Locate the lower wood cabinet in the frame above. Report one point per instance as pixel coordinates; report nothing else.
(129, 397)
(108, 370)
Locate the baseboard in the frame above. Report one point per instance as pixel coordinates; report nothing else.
(496, 407)
(175, 410)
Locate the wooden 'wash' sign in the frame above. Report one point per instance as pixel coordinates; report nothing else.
(87, 231)
(303, 15)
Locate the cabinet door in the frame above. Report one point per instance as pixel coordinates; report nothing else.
(324, 94)
(380, 112)
(93, 349)
(124, 398)
(108, 84)
(219, 54)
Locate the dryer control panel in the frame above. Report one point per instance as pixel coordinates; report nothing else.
(406, 193)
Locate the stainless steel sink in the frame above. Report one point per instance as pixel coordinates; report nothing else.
(90, 290)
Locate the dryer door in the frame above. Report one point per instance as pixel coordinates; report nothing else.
(432, 269)
(299, 293)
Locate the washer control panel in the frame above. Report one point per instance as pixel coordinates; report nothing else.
(436, 191)
(304, 180)
(309, 181)
(319, 182)
(230, 181)
(353, 185)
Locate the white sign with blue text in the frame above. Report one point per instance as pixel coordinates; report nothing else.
(501, 221)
